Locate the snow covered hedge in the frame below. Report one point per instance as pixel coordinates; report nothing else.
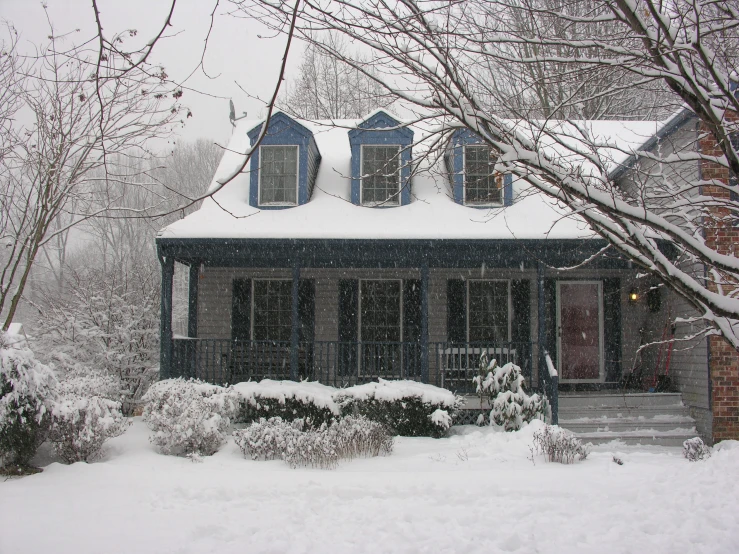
(511, 406)
(189, 416)
(311, 402)
(300, 444)
(408, 408)
(27, 390)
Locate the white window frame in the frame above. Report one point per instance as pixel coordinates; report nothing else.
(253, 301)
(396, 196)
(467, 304)
(297, 176)
(464, 183)
(601, 337)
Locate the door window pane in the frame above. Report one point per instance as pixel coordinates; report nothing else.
(488, 311)
(482, 184)
(272, 310)
(380, 174)
(278, 175)
(579, 305)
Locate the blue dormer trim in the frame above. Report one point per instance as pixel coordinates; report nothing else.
(285, 131)
(380, 128)
(454, 162)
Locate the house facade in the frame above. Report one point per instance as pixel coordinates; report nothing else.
(342, 254)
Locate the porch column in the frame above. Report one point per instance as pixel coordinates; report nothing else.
(192, 305)
(295, 334)
(550, 385)
(425, 322)
(165, 338)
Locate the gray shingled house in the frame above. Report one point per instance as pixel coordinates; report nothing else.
(344, 252)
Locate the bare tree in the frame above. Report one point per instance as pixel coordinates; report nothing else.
(549, 83)
(328, 88)
(440, 57)
(85, 107)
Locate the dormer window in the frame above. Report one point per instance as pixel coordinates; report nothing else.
(284, 166)
(381, 162)
(482, 185)
(278, 176)
(380, 175)
(470, 164)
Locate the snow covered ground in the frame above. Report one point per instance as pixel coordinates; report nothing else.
(474, 492)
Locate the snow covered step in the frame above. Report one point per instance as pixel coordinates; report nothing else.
(643, 411)
(658, 423)
(659, 419)
(676, 437)
(615, 400)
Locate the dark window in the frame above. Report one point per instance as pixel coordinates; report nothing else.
(272, 310)
(481, 184)
(278, 175)
(488, 311)
(380, 175)
(380, 311)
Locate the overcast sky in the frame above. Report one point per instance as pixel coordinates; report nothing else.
(235, 53)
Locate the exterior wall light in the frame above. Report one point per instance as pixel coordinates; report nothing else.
(633, 296)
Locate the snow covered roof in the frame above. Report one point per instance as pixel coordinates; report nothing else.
(431, 214)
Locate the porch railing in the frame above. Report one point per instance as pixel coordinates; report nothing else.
(450, 365)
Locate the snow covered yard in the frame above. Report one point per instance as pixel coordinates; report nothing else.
(474, 492)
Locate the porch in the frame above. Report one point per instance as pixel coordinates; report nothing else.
(321, 289)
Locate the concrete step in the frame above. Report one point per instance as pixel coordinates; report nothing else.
(615, 400)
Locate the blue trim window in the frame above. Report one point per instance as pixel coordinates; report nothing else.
(470, 163)
(380, 175)
(278, 176)
(285, 166)
(381, 162)
(482, 185)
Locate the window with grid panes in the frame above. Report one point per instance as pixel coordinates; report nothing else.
(380, 174)
(488, 311)
(380, 311)
(272, 310)
(278, 177)
(481, 184)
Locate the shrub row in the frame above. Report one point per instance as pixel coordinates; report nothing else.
(299, 444)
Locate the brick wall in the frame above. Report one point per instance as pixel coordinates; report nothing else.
(722, 236)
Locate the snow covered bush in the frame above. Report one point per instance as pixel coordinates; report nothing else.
(189, 416)
(405, 407)
(27, 389)
(107, 320)
(82, 381)
(311, 402)
(694, 450)
(298, 444)
(504, 386)
(558, 445)
(81, 424)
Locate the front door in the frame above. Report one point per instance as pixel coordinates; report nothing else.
(579, 331)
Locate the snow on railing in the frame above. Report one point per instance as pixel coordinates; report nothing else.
(550, 365)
